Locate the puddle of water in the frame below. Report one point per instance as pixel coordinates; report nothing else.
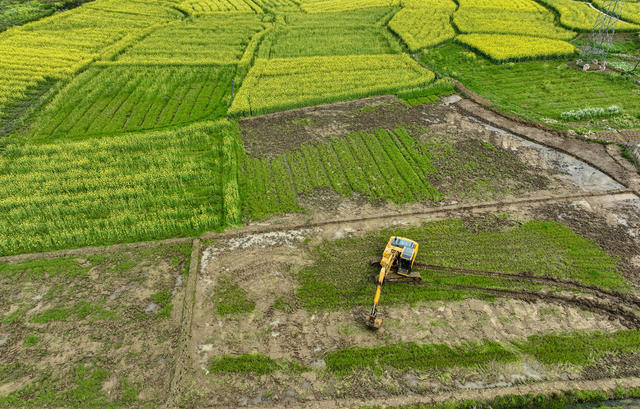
(583, 175)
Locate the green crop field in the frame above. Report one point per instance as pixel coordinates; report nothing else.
(115, 98)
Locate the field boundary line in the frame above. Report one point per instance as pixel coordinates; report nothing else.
(443, 210)
(183, 355)
(246, 230)
(608, 386)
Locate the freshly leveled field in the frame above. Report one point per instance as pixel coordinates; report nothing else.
(100, 330)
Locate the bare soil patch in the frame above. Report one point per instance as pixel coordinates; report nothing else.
(105, 323)
(274, 134)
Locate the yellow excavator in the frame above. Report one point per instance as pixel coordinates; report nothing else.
(396, 263)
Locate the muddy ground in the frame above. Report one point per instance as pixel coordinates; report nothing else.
(92, 330)
(475, 161)
(265, 266)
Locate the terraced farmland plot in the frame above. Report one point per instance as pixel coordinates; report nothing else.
(368, 16)
(198, 7)
(579, 16)
(115, 99)
(630, 11)
(323, 40)
(134, 187)
(278, 5)
(502, 48)
(38, 54)
(423, 27)
(326, 6)
(539, 23)
(207, 40)
(293, 82)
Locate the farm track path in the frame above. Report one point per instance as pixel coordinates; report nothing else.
(544, 387)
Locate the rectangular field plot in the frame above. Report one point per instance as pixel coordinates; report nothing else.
(293, 82)
(122, 98)
(207, 40)
(369, 16)
(447, 329)
(539, 23)
(100, 330)
(326, 6)
(420, 28)
(384, 165)
(325, 40)
(502, 48)
(198, 7)
(134, 187)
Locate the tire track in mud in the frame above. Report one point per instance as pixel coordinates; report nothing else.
(610, 303)
(627, 298)
(609, 307)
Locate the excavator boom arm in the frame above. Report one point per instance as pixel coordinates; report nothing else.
(371, 320)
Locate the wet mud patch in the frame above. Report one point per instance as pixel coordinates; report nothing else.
(274, 134)
(613, 224)
(614, 366)
(97, 330)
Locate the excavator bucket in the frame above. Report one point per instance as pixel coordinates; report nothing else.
(374, 323)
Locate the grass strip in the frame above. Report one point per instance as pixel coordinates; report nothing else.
(412, 356)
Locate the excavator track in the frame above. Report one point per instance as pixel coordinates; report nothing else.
(615, 305)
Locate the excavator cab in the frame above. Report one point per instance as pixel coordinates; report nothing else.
(406, 256)
(395, 266)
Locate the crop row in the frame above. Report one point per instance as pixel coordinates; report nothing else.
(383, 165)
(502, 48)
(292, 82)
(123, 188)
(116, 98)
(580, 16)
